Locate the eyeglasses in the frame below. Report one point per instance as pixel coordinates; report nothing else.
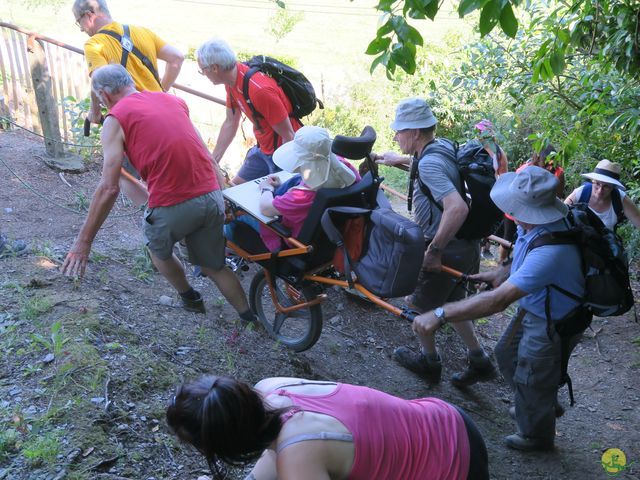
(602, 184)
(204, 70)
(80, 18)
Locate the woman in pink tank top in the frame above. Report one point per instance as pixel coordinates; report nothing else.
(303, 429)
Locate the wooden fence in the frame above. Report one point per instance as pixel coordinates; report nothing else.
(62, 77)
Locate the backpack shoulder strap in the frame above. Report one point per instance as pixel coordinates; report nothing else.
(438, 149)
(555, 238)
(128, 47)
(585, 194)
(245, 91)
(616, 201)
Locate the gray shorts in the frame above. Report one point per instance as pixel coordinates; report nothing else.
(436, 289)
(198, 220)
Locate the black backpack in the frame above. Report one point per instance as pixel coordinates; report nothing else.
(294, 84)
(477, 177)
(391, 257)
(606, 270)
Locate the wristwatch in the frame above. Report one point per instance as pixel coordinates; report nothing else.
(439, 314)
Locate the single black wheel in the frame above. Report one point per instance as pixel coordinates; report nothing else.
(299, 329)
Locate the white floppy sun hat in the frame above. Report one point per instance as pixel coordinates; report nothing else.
(310, 155)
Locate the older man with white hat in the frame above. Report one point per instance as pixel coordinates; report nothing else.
(528, 353)
(440, 215)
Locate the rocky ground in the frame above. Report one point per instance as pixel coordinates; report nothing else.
(88, 366)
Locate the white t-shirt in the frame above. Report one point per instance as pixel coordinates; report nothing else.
(608, 217)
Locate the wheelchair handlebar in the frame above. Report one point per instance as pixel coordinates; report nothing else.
(87, 126)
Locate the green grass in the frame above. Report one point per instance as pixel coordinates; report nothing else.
(54, 342)
(142, 265)
(41, 449)
(8, 442)
(44, 249)
(32, 307)
(82, 202)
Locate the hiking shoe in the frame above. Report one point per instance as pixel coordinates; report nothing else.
(430, 370)
(558, 410)
(477, 371)
(193, 304)
(527, 444)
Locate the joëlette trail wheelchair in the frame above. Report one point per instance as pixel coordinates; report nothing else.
(287, 293)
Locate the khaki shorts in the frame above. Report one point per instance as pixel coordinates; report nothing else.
(434, 289)
(198, 220)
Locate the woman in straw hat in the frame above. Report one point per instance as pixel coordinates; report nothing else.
(304, 429)
(605, 195)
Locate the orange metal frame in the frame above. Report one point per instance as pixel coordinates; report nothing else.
(300, 249)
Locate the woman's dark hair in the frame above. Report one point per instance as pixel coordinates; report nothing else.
(224, 419)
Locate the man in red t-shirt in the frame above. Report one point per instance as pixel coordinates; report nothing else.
(274, 125)
(185, 200)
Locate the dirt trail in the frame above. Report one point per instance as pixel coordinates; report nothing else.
(88, 367)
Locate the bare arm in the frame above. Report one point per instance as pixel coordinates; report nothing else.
(265, 467)
(631, 211)
(227, 132)
(393, 159)
(103, 198)
(571, 199)
(174, 58)
(284, 129)
(477, 306)
(95, 112)
(267, 187)
(454, 213)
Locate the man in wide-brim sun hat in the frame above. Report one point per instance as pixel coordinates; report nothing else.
(528, 355)
(605, 195)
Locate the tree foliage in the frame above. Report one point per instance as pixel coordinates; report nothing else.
(604, 29)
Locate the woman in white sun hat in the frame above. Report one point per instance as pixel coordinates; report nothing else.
(605, 195)
(308, 154)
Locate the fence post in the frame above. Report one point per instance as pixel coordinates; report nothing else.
(47, 108)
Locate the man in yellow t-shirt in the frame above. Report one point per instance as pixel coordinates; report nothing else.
(92, 16)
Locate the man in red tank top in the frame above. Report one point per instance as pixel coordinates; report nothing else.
(185, 200)
(273, 125)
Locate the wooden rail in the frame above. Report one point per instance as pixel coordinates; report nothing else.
(53, 41)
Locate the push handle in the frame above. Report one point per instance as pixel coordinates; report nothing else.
(87, 125)
(462, 276)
